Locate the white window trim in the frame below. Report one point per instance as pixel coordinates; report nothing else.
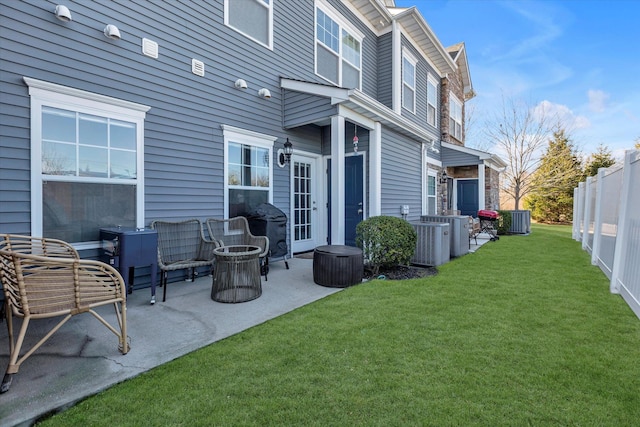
(247, 137)
(343, 24)
(428, 170)
(431, 79)
(454, 99)
(49, 94)
(269, 6)
(409, 57)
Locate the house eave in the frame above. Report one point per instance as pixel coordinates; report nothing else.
(492, 160)
(363, 104)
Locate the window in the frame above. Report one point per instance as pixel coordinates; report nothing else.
(455, 117)
(87, 163)
(338, 50)
(432, 101)
(431, 193)
(253, 18)
(408, 83)
(248, 170)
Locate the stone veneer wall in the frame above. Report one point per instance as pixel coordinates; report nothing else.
(451, 83)
(492, 189)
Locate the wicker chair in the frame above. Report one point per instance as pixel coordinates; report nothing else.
(45, 278)
(235, 231)
(182, 245)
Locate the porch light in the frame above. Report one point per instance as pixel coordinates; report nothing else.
(355, 139)
(284, 155)
(444, 177)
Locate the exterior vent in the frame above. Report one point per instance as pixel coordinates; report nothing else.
(458, 231)
(150, 48)
(432, 246)
(197, 67)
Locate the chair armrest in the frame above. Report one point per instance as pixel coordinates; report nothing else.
(207, 246)
(260, 241)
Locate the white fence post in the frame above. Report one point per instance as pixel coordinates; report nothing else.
(576, 223)
(597, 222)
(587, 233)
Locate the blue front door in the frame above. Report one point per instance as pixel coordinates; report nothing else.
(468, 197)
(354, 198)
(353, 203)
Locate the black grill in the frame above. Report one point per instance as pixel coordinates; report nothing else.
(267, 220)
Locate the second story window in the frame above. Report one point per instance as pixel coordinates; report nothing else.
(432, 102)
(338, 50)
(253, 18)
(408, 83)
(455, 118)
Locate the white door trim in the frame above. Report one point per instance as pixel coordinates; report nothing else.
(318, 219)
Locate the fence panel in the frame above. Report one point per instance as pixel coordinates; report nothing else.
(625, 276)
(578, 213)
(606, 218)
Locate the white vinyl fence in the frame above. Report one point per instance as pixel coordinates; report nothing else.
(606, 219)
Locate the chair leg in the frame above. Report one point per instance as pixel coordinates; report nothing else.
(6, 383)
(163, 283)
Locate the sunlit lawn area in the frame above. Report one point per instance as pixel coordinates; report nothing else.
(523, 332)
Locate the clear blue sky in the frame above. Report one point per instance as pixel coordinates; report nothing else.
(580, 57)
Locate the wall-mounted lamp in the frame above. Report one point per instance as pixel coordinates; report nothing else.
(444, 177)
(241, 84)
(112, 32)
(63, 13)
(284, 154)
(264, 93)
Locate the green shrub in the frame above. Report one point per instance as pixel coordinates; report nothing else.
(504, 223)
(386, 241)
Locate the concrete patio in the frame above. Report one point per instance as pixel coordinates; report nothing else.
(82, 358)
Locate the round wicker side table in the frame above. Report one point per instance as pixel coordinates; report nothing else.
(236, 275)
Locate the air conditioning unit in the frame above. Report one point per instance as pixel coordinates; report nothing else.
(432, 246)
(520, 222)
(458, 231)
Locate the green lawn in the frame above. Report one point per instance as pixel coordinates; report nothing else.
(523, 332)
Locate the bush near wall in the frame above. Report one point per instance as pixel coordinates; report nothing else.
(386, 241)
(504, 222)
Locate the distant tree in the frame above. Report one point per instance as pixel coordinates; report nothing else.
(560, 171)
(602, 158)
(518, 132)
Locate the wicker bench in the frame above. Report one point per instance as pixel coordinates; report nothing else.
(45, 278)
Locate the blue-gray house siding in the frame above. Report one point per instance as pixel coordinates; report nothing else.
(184, 160)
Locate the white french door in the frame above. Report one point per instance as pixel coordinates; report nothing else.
(306, 226)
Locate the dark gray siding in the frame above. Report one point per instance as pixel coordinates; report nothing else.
(385, 79)
(457, 158)
(183, 137)
(301, 109)
(401, 175)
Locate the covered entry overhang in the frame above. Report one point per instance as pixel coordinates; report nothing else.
(456, 156)
(306, 103)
